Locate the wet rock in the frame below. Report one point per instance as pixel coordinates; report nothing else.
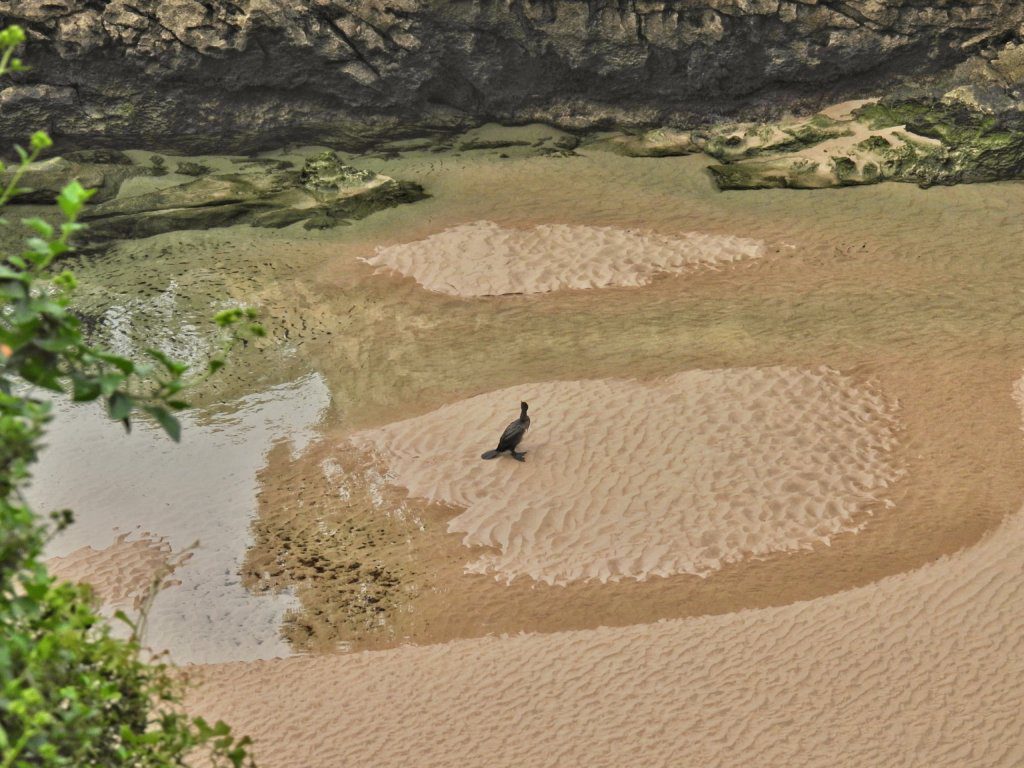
(99, 156)
(532, 139)
(326, 173)
(492, 144)
(325, 193)
(44, 180)
(658, 142)
(192, 169)
(159, 165)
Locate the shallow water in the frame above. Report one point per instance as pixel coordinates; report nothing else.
(917, 291)
(200, 493)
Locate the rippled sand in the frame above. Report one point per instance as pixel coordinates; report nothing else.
(920, 669)
(631, 479)
(485, 259)
(121, 573)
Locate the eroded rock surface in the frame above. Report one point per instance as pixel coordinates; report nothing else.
(323, 193)
(237, 76)
(922, 140)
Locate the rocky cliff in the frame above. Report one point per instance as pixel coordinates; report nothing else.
(220, 75)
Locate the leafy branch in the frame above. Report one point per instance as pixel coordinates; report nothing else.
(71, 694)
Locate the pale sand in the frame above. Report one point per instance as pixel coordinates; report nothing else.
(631, 479)
(484, 259)
(921, 669)
(120, 574)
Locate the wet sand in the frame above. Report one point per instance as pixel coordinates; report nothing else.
(123, 573)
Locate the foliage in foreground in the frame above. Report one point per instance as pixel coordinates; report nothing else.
(71, 694)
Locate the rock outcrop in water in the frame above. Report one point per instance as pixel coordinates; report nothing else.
(263, 193)
(926, 141)
(236, 76)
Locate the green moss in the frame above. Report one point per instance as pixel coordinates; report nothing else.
(755, 175)
(745, 176)
(845, 169)
(874, 144)
(816, 130)
(945, 143)
(885, 114)
(804, 167)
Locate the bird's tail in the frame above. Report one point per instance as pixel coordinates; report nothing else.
(490, 455)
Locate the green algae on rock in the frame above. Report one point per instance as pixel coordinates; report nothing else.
(324, 193)
(925, 141)
(977, 145)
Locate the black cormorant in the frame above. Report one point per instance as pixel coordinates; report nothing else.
(511, 437)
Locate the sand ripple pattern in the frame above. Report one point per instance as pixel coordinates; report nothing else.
(920, 669)
(482, 258)
(626, 479)
(119, 574)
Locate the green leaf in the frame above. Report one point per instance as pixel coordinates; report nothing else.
(38, 246)
(40, 140)
(127, 367)
(12, 36)
(170, 424)
(72, 199)
(56, 344)
(50, 308)
(227, 317)
(13, 290)
(39, 368)
(85, 389)
(122, 616)
(109, 382)
(119, 406)
(173, 367)
(40, 227)
(66, 280)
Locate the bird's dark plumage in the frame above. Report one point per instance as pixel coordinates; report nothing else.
(511, 437)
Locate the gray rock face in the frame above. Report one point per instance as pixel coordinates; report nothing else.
(248, 74)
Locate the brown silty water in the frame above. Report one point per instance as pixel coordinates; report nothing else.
(914, 292)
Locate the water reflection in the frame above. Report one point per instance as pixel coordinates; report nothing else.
(204, 489)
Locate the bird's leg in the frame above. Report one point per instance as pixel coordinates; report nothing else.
(519, 455)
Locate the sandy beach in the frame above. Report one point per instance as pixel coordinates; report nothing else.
(120, 574)
(918, 669)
